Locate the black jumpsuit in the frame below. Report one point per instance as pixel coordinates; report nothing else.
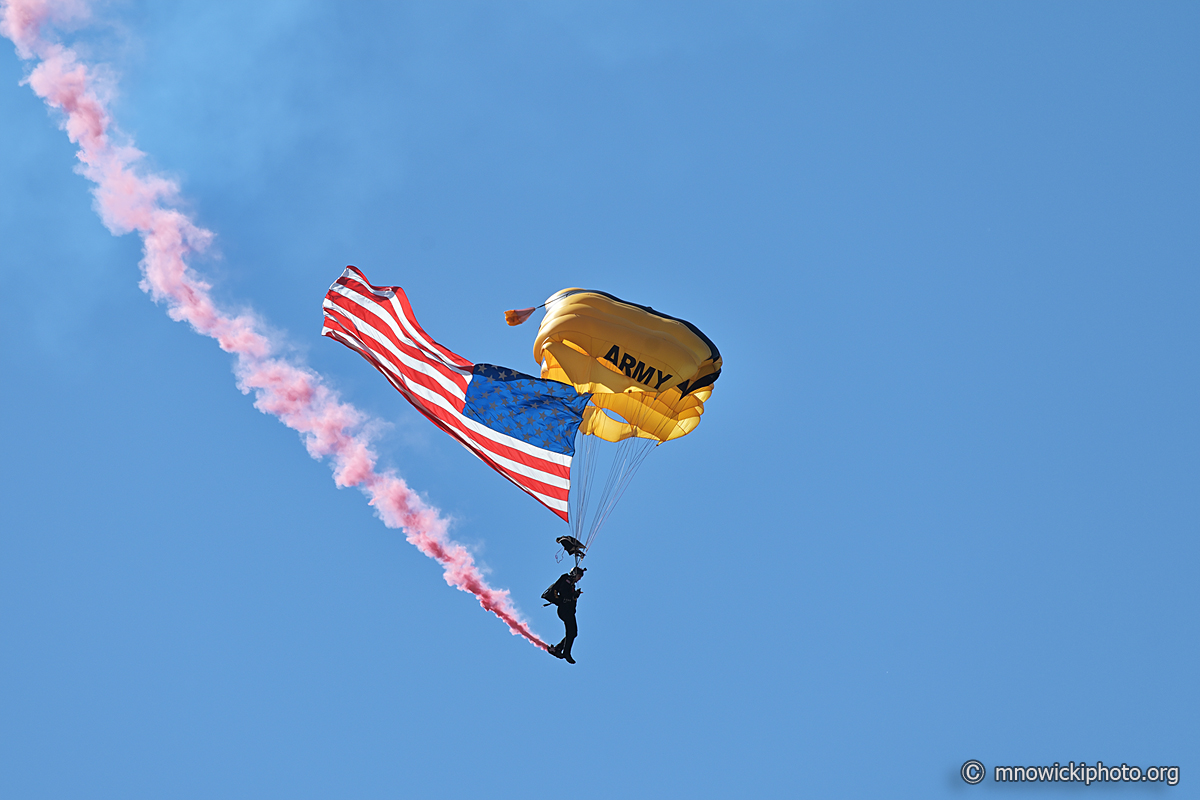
(566, 595)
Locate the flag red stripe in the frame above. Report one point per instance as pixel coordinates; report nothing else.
(371, 318)
(396, 371)
(424, 379)
(399, 296)
(379, 324)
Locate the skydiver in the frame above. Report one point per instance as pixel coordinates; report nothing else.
(564, 594)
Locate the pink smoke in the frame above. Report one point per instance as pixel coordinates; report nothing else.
(129, 199)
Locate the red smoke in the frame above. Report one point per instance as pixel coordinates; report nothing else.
(129, 199)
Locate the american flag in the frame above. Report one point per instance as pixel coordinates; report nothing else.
(522, 427)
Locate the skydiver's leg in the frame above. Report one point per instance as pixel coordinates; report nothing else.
(567, 614)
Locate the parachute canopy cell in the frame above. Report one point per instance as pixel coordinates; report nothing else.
(649, 373)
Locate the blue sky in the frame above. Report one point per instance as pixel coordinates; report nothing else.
(943, 504)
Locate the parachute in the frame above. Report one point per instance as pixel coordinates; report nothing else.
(648, 374)
(617, 380)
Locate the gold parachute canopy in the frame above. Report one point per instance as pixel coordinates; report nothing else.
(649, 373)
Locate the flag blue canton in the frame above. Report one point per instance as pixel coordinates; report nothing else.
(542, 413)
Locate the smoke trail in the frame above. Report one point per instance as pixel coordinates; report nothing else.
(128, 199)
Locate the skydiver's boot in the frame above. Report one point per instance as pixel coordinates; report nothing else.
(567, 656)
(555, 650)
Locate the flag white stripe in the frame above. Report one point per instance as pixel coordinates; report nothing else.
(412, 354)
(380, 341)
(409, 324)
(386, 313)
(512, 466)
(478, 432)
(444, 400)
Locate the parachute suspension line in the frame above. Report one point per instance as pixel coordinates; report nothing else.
(606, 495)
(581, 482)
(627, 458)
(631, 453)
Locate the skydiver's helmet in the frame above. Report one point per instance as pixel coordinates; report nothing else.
(577, 572)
